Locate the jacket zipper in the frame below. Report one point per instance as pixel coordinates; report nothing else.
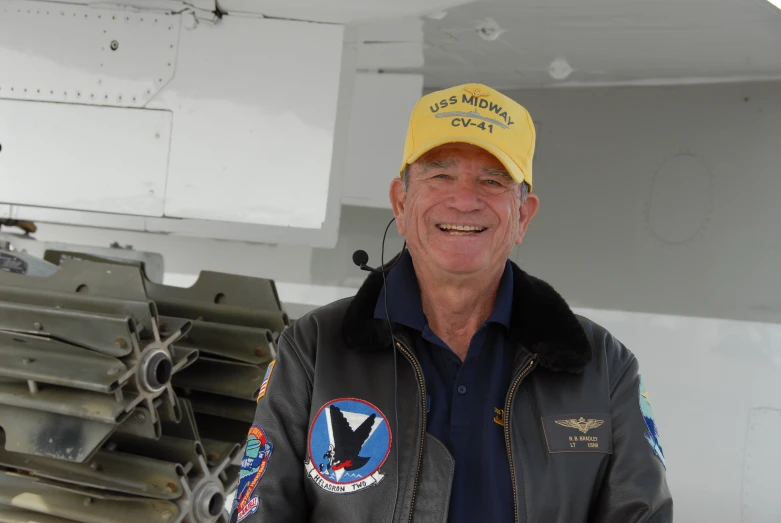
(507, 407)
(422, 384)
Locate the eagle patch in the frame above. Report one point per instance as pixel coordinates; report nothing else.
(349, 441)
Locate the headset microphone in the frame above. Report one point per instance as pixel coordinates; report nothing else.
(361, 258)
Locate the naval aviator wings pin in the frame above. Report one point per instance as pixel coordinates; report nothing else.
(578, 433)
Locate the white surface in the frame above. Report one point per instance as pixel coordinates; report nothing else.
(104, 159)
(337, 11)
(381, 107)
(255, 120)
(387, 44)
(607, 42)
(762, 475)
(390, 55)
(62, 53)
(408, 29)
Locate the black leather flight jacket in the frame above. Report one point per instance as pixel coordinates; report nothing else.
(573, 424)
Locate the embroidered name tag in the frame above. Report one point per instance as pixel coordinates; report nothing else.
(578, 433)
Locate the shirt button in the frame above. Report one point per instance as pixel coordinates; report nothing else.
(461, 389)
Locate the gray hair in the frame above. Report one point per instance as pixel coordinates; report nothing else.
(405, 182)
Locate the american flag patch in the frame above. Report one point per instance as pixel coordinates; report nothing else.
(264, 385)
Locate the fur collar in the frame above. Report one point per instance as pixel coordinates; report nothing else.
(542, 323)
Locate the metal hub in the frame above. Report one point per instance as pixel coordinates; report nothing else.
(208, 502)
(156, 370)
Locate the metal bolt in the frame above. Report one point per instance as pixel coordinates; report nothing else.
(165, 514)
(87, 501)
(171, 487)
(140, 417)
(26, 361)
(121, 343)
(114, 45)
(37, 326)
(94, 466)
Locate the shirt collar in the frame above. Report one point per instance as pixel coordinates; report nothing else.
(406, 308)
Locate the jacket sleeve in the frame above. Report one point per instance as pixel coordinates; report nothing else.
(271, 485)
(635, 487)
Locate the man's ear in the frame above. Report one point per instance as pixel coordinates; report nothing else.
(528, 210)
(398, 197)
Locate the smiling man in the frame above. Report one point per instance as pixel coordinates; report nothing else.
(455, 386)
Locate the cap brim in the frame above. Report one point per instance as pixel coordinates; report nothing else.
(512, 168)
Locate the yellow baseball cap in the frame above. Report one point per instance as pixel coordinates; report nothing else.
(478, 115)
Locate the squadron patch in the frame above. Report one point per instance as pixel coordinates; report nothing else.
(349, 441)
(652, 436)
(266, 378)
(253, 466)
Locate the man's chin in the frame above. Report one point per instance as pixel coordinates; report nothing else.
(462, 264)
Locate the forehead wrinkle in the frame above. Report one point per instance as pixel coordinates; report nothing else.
(438, 164)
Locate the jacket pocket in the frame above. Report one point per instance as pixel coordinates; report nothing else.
(432, 500)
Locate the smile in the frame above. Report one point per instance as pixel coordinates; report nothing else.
(460, 230)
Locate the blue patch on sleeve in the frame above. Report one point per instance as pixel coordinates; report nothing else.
(253, 466)
(652, 436)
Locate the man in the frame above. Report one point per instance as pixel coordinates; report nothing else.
(476, 395)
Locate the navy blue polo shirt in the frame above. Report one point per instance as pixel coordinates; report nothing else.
(465, 399)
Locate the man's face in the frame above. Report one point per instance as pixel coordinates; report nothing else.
(456, 187)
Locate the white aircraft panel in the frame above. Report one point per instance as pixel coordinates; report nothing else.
(85, 55)
(89, 158)
(255, 105)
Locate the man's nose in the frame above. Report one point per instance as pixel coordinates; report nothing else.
(465, 197)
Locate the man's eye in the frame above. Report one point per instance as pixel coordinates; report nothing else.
(441, 176)
(493, 182)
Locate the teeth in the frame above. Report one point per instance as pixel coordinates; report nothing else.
(461, 228)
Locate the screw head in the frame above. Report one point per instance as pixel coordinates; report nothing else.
(37, 326)
(114, 45)
(140, 417)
